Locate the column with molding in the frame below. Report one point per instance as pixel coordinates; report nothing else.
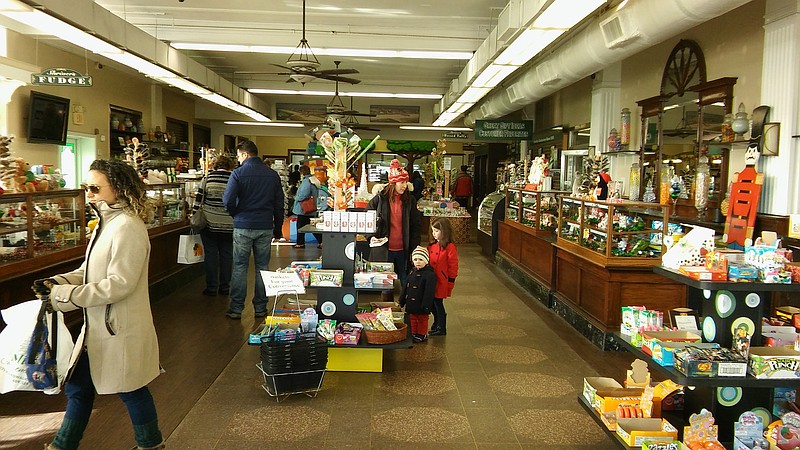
(780, 90)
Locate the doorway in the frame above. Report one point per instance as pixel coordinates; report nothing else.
(75, 158)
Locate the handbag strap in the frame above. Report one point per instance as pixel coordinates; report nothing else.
(39, 336)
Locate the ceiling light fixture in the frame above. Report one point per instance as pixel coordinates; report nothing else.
(343, 94)
(53, 26)
(549, 25)
(423, 128)
(352, 52)
(266, 124)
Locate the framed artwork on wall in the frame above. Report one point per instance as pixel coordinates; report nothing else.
(394, 114)
(302, 112)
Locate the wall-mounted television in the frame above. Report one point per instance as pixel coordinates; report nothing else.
(47, 119)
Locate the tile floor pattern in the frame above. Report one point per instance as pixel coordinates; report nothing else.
(501, 378)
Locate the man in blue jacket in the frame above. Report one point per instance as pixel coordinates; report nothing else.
(254, 197)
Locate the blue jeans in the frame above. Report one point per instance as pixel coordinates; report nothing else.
(245, 240)
(219, 259)
(400, 260)
(80, 394)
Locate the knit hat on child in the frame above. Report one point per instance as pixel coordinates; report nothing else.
(421, 253)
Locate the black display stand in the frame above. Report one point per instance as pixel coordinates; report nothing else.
(726, 305)
(340, 303)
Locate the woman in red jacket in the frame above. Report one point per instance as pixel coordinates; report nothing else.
(444, 260)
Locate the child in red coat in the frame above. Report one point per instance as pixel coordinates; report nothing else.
(444, 260)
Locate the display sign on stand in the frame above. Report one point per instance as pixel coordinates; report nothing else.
(282, 282)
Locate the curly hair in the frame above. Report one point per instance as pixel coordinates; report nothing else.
(127, 185)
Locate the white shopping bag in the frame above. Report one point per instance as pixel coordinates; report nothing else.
(14, 340)
(190, 249)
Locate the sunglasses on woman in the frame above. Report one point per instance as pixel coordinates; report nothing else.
(93, 188)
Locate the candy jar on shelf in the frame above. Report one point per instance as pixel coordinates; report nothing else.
(701, 186)
(625, 129)
(634, 181)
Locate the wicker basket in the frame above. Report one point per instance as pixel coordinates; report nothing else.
(387, 337)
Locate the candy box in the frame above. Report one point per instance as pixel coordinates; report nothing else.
(697, 362)
(636, 431)
(383, 279)
(347, 333)
(703, 273)
(592, 384)
(362, 280)
(742, 272)
(326, 278)
(794, 269)
(787, 313)
(780, 336)
(649, 337)
(664, 351)
(774, 362)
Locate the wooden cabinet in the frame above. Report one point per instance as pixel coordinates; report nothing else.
(40, 229)
(537, 210)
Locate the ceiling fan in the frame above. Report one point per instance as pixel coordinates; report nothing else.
(302, 65)
(351, 122)
(336, 106)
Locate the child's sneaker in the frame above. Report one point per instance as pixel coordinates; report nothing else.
(419, 337)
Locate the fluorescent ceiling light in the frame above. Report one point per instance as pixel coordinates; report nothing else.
(343, 94)
(472, 95)
(565, 14)
(50, 25)
(458, 108)
(492, 75)
(142, 65)
(185, 85)
(422, 128)
(266, 124)
(526, 46)
(283, 50)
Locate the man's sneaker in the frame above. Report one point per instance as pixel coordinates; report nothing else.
(438, 332)
(233, 315)
(260, 314)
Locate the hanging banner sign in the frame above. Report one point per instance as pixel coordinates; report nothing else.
(517, 130)
(61, 77)
(454, 135)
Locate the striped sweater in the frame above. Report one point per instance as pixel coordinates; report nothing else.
(210, 196)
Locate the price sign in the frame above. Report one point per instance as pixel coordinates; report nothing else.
(282, 282)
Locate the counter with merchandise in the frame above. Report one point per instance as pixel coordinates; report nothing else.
(460, 219)
(605, 253)
(526, 238)
(53, 239)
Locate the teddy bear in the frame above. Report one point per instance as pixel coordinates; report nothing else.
(24, 180)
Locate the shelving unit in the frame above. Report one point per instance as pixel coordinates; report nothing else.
(748, 301)
(340, 304)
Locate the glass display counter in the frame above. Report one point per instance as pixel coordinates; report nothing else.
(38, 228)
(535, 209)
(490, 212)
(170, 204)
(624, 233)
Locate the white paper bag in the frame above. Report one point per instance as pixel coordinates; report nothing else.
(190, 249)
(14, 340)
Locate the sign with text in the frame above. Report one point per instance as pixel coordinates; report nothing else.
(61, 77)
(454, 135)
(282, 282)
(515, 130)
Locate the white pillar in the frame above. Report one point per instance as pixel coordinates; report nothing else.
(605, 116)
(780, 90)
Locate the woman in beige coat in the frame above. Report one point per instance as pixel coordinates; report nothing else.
(118, 339)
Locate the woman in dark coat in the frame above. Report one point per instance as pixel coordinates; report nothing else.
(397, 220)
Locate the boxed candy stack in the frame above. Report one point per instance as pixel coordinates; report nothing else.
(348, 221)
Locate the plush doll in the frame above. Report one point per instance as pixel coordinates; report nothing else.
(24, 179)
(601, 191)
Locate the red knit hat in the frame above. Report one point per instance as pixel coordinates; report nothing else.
(397, 173)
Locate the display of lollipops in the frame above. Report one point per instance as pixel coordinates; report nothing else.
(342, 150)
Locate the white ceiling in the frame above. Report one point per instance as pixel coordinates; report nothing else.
(357, 24)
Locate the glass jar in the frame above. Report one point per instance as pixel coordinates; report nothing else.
(740, 123)
(612, 139)
(634, 180)
(701, 180)
(727, 128)
(625, 132)
(663, 186)
(649, 195)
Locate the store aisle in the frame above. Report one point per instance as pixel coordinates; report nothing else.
(501, 378)
(506, 376)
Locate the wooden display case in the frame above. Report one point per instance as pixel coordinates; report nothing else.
(40, 229)
(595, 275)
(613, 234)
(170, 206)
(537, 210)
